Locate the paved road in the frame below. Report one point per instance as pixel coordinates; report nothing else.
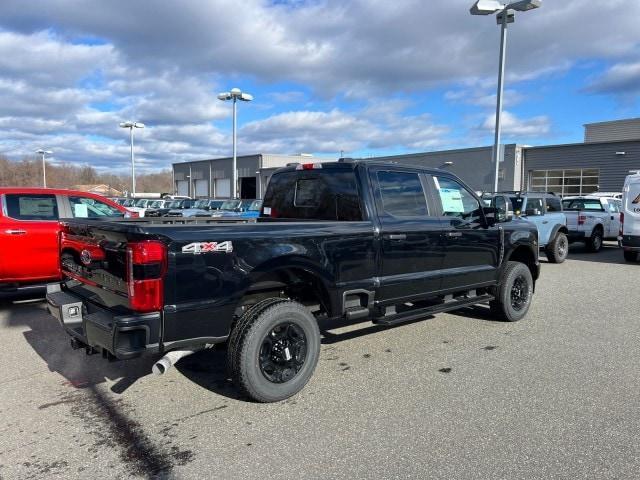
(556, 395)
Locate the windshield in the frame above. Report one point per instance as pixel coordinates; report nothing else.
(201, 204)
(141, 202)
(128, 202)
(230, 205)
(215, 204)
(174, 204)
(593, 205)
(255, 206)
(156, 204)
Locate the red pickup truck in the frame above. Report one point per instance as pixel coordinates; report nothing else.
(29, 230)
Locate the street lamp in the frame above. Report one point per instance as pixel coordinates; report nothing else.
(131, 126)
(235, 94)
(505, 14)
(44, 153)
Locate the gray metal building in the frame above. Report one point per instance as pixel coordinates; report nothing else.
(571, 169)
(212, 177)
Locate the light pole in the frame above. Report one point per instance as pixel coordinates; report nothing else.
(131, 126)
(505, 15)
(44, 153)
(235, 94)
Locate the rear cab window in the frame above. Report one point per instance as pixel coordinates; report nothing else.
(41, 207)
(592, 205)
(316, 194)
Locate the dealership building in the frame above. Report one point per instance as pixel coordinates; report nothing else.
(609, 151)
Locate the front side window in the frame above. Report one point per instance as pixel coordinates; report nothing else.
(534, 207)
(31, 206)
(402, 194)
(456, 200)
(85, 207)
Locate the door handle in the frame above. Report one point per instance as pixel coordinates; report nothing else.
(15, 232)
(454, 234)
(397, 236)
(611, 217)
(545, 222)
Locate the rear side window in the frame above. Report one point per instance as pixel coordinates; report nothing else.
(31, 206)
(554, 204)
(402, 194)
(319, 194)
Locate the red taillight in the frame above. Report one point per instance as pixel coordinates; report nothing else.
(621, 223)
(146, 266)
(582, 219)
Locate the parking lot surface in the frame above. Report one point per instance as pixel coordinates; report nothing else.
(556, 395)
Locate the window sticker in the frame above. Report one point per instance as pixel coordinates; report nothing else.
(451, 200)
(32, 206)
(80, 210)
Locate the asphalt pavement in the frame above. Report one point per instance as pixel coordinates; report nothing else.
(455, 396)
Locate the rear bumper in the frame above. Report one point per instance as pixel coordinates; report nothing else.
(630, 242)
(123, 336)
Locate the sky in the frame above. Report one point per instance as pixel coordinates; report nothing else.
(358, 78)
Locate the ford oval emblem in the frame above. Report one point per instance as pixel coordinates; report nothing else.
(85, 257)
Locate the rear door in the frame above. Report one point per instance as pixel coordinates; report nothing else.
(410, 236)
(29, 237)
(471, 249)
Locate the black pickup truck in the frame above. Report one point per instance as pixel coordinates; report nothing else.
(355, 240)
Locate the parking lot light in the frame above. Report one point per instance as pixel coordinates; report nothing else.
(235, 94)
(44, 153)
(505, 15)
(131, 126)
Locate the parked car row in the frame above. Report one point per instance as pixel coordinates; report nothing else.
(590, 219)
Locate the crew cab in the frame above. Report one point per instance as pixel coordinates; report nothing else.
(544, 210)
(592, 219)
(29, 232)
(352, 240)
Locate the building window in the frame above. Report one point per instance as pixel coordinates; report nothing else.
(582, 181)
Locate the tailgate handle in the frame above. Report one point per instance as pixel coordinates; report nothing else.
(397, 236)
(454, 234)
(15, 232)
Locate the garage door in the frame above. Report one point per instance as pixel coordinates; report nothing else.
(223, 188)
(182, 188)
(201, 188)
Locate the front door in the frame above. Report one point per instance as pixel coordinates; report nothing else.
(29, 230)
(410, 236)
(472, 250)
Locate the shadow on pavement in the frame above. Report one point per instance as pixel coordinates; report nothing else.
(610, 253)
(51, 343)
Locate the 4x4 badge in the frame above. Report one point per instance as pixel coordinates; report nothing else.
(205, 247)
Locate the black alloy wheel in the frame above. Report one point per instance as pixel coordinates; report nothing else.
(283, 352)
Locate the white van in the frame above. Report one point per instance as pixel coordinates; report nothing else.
(630, 218)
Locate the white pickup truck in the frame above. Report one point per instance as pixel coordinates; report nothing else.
(592, 219)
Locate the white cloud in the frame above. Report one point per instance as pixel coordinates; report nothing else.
(519, 128)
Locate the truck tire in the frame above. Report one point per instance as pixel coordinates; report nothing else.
(514, 293)
(558, 248)
(631, 255)
(239, 326)
(594, 242)
(274, 350)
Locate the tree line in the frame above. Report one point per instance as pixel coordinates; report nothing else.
(28, 173)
